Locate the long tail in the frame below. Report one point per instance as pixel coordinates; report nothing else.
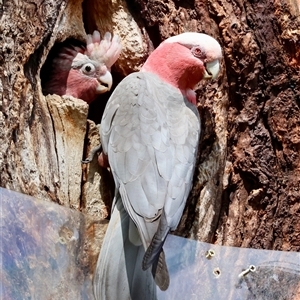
(155, 255)
(119, 273)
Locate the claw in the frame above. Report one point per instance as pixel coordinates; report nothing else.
(92, 154)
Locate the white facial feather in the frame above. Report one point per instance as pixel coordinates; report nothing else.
(81, 59)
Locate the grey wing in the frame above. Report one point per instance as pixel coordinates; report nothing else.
(129, 128)
(151, 136)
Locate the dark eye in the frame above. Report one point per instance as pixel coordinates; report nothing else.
(88, 68)
(198, 53)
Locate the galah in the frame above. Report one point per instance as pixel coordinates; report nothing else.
(150, 132)
(84, 72)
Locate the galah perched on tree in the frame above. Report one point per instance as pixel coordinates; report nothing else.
(84, 72)
(150, 131)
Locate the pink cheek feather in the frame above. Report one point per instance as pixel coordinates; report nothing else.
(81, 86)
(191, 96)
(176, 65)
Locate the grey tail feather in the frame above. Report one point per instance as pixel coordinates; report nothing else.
(153, 252)
(118, 274)
(160, 272)
(155, 255)
(155, 247)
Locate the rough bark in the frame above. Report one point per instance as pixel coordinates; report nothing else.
(246, 186)
(246, 190)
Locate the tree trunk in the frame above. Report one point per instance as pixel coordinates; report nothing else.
(246, 190)
(246, 185)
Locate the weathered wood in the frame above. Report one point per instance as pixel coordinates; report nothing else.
(257, 187)
(35, 154)
(261, 203)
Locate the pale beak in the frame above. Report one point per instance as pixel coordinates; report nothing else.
(212, 70)
(105, 83)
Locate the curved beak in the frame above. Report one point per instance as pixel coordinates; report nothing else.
(105, 83)
(212, 69)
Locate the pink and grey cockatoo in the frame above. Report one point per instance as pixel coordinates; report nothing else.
(150, 131)
(84, 72)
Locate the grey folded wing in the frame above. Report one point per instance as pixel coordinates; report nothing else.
(150, 133)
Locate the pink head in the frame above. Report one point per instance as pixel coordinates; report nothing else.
(85, 72)
(185, 59)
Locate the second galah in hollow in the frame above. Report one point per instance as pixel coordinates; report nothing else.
(150, 131)
(84, 72)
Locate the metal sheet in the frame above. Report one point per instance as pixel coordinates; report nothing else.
(41, 250)
(42, 257)
(223, 275)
